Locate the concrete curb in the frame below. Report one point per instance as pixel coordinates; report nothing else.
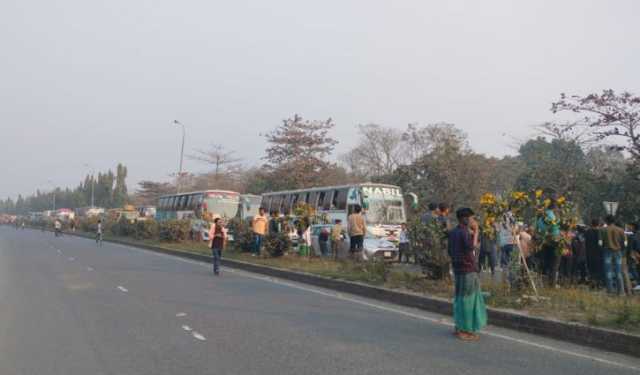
(599, 338)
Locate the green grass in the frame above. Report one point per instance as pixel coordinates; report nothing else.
(571, 304)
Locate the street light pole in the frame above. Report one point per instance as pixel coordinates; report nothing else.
(93, 182)
(54, 194)
(181, 155)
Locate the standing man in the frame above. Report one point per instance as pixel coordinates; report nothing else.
(217, 235)
(430, 215)
(469, 311)
(357, 230)
(612, 239)
(595, 259)
(404, 246)
(337, 236)
(259, 226)
(506, 239)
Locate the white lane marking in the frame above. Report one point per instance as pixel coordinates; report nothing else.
(551, 348)
(199, 336)
(89, 269)
(181, 315)
(187, 328)
(71, 259)
(122, 289)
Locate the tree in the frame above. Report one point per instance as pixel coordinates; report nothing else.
(148, 192)
(297, 152)
(558, 165)
(446, 169)
(217, 157)
(120, 196)
(608, 116)
(378, 153)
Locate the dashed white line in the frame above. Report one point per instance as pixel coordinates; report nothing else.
(199, 336)
(71, 259)
(122, 289)
(401, 312)
(181, 315)
(187, 328)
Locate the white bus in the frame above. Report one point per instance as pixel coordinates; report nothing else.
(205, 205)
(383, 205)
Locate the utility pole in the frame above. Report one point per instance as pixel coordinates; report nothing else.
(181, 155)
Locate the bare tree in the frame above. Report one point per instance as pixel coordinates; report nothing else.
(568, 132)
(378, 153)
(219, 158)
(608, 116)
(148, 192)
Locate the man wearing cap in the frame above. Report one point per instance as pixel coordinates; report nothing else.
(469, 311)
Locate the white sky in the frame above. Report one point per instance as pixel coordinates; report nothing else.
(100, 82)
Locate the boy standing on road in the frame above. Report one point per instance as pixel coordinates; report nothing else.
(259, 226)
(469, 311)
(217, 235)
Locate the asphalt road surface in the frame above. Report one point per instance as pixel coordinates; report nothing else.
(68, 307)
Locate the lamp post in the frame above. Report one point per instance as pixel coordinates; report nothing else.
(93, 182)
(54, 194)
(176, 122)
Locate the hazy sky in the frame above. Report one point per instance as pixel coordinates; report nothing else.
(100, 82)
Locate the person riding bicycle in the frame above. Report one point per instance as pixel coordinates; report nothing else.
(99, 233)
(58, 227)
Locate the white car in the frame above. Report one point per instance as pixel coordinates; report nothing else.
(373, 247)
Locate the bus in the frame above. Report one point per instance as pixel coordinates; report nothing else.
(383, 205)
(200, 207)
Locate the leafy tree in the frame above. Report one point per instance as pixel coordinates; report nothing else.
(148, 192)
(297, 152)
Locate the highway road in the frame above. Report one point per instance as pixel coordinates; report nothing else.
(68, 307)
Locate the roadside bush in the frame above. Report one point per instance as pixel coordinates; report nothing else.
(276, 244)
(242, 234)
(174, 230)
(147, 230)
(124, 228)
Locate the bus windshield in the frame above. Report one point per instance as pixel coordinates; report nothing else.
(384, 205)
(222, 205)
(383, 211)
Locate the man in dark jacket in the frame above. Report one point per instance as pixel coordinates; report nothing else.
(595, 259)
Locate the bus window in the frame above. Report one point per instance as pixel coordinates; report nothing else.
(286, 206)
(306, 198)
(321, 200)
(276, 204)
(339, 201)
(266, 202)
(189, 204)
(313, 200)
(325, 200)
(172, 203)
(294, 200)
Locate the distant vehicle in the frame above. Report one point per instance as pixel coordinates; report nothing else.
(146, 212)
(373, 247)
(383, 205)
(65, 214)
(89, 211)
(127, 212)
(200, 207)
